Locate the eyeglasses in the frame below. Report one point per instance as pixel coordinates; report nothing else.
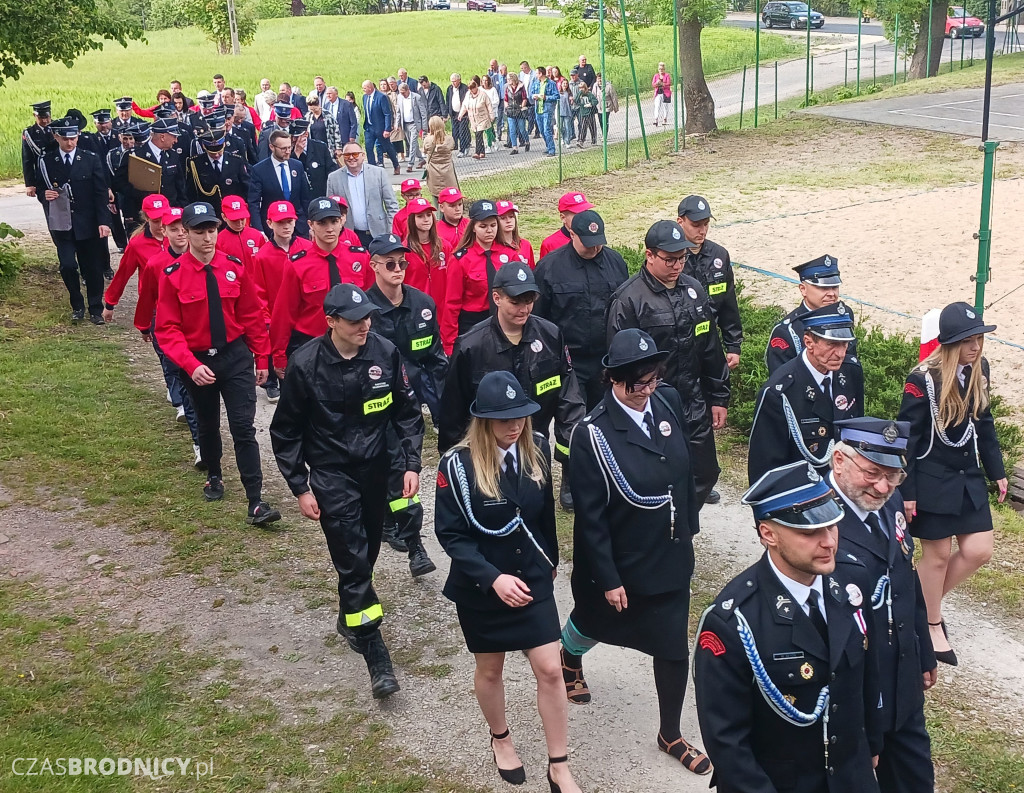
(352, 155)
(677, 260)
(393, 266)
(895, 478)
(646, 385)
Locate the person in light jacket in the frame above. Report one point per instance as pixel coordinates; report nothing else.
(477, 110)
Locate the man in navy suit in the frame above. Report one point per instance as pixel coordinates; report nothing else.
(377, 124)
(279, 177)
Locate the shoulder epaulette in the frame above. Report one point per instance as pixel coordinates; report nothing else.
(460, 253)
(356, 249)
(297, 255)
(231, 258)
(171, 268)
(844, 557)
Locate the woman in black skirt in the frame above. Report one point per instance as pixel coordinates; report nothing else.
(952, 448)
(635, 514)
(494, 514)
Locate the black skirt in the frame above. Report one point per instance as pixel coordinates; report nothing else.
(653, 624)
(509, 629)
(933, 526)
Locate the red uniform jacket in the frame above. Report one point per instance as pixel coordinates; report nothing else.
(244, 244)
(400, 225)
(149, 288)
(299, 305)
(451, 234)
(428, 276)
(183, 313)
(466, 289)
(139, 250)
(526, 249)
(554, 241)
(269, 266)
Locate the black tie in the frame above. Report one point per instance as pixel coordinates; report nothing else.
(877, 535)
(163, 159)
(216, 164)
(510, 468)
(649, 423)
(817, 619)
(826, 388)
(332, 270)
(67, 162)
(490, 280)
(967, 379)
(218, 331)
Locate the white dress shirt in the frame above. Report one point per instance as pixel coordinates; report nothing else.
(819, 377)
(357, 200)
(801, 592)
(514, 448)
(637, 416)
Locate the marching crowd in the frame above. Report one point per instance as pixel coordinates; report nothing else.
(259, 266)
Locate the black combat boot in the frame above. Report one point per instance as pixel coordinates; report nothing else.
(383, 682)
(419, 561)
(390, 536)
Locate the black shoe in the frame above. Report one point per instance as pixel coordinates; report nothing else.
(383, 682)
(108, 274)
(349, 637)
(576, 690)
(419, 562)
(262, 513)
(390, 536)
(507, 145)
(526, 146)
(713, 497)
(78, 315)
(213, 490)
(946, 656)
(564, 496)
(96, 319)
(514, 776)
(273, 394)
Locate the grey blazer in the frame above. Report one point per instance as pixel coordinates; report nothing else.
(381, 204)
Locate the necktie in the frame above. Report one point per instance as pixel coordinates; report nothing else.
(216, 164)
(826, 388)
(163, 159)
(490, 280)
(218, 331)
(649, 424)
(67, 162)
(332, 270)
(285, 186)
(967, 378)
(817, 619)
(878, 538)
(510, 468)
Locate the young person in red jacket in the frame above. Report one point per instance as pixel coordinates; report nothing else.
(428, 254)
(411, 190)
(508, 222)
(210, 323)
(238, 238)
(347, 235)
(568, 205)
(298, 311)
(452, 224)
(146, 242)
(482, 250)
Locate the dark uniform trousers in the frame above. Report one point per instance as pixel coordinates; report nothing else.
(352, 517)
(236, 385)
(87, 256)
(406, 513)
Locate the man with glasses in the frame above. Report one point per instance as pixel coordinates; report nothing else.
(280, 177)
(371, 200)
(868, 464)
(674, 309)
(800, 403)
(408, 319)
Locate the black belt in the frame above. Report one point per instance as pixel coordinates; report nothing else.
(213, 352)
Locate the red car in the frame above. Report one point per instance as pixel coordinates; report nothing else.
(960, 23)
(481, 5)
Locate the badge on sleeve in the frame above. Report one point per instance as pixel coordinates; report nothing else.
(691, 292)
(719, 264)
(375, 373)
(710, 641)
(441, 481)
(427, 314)
(357, 266)
(230, 275)
(842, 403)
(779, 344)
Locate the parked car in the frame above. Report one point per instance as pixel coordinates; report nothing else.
(482, 5)
(960, 23)
(791, 15)
(439, 5)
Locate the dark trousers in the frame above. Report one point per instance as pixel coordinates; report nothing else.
(86, 257)
(480, 149)
(236, 385)
(179, 396)
(704, 459)
(460, 132)
(373, 140)
(531, 122)
(905, 763)
(588, 374)
(406, 513)
(588, 124)
(117, 229)
(365, 237)
(352, 505)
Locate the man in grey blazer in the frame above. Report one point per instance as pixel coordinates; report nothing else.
(412, 114)
(371, 199)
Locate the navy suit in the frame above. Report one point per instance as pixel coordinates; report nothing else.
(265, 189)
(318, 161)
(376, 121)
(348, 125)
(299, 101)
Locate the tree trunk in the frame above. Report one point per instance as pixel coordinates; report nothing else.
(700, 105)
(298, 8)
(938, 33)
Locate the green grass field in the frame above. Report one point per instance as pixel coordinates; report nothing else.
(345, 50)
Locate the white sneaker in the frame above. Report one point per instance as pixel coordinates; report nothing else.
(199, 457)
(181, 415)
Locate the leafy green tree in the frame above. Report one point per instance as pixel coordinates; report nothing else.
(211, 17)
(44, 31)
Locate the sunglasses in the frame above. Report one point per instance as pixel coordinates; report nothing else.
(393, 266)
(353, 156)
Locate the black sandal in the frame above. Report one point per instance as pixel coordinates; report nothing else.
(514, 776)
(551, 761)
(576, 690)
(692, 758)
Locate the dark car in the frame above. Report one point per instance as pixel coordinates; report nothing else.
(791, 15)
(482, 5)
(960, 23)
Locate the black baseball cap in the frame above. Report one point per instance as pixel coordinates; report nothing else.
(630, 345)
(695, 207)
(515, 279)
(479, 210)
(323, 208)
(501, 396)
(386, 243)
(589, 227)
(349, 302)
(199, 214)
(959, 321)
(665, 235)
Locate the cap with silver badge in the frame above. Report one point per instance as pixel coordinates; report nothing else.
(796, 496)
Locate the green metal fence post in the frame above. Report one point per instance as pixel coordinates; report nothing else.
(896, 51)
(776, 90)
(558, 131)
(757, 56)
(860, 20)
(807, 67)
(931, 11)
(675, 68)
(985, 230)
(636, 85)
(743, 93)
(604, 76)
(962, 42)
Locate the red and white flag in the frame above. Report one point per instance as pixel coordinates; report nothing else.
(929, 333)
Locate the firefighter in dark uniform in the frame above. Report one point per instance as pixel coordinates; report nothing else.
(103, 139)
(710, 264)
(125, 144)
(314, 155)
(210, 322)
(185, 140)
(244, 130)
(802, 400)
(159, 149)
(344, 391)
(125, 117)
(529, 347)
(785, 669)
(408, 319)
(279, 121)
(674, 309)
(868, 465)
(101, 142)
(576, 281)
(214, 173)
(36, 140)
(819, 286)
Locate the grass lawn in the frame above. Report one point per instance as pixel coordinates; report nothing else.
(297, 49)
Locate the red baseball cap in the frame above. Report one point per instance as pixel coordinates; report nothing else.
(281, 210)
(450, 195)
(341, 200)
(171, 215)
(573, 202)
(154, 205)
(234, 208)
(504, 207)
(411, 184)
(419, 205)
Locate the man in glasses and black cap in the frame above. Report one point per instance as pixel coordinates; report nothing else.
(344, 394)
(868, 464)
(785, 665)
(314, 155)
(34, 141)
(800, 403)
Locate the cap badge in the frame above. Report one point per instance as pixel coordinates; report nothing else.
(324, 203)
(280, 207)
(230, 275)
(521, 275)
(593, 228)
(392, 238)
(665, 428)
(510, 392)
(356, 298)
(828, 261)
(970, 314)
(890, 433)
(854, 594)
(486, 205)
(701, 206)
(840, 309)
(158, 205)
(813, 475)
(452, 191)
(578, 198)
(536, 345)
(675, 234)
(643, 345)
(200, 210)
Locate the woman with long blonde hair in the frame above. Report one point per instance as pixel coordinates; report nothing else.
(438, 147)
(952, 448)
(494, 515)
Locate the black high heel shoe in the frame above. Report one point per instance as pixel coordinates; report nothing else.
(514, 776)
(551, 761)
(946, 656)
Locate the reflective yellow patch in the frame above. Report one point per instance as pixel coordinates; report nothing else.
(422, 344)
(702, 327)
(403, 503)
(717, 289)
(563, 449)
(377, 405)
(547, 385)
(374, 612)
